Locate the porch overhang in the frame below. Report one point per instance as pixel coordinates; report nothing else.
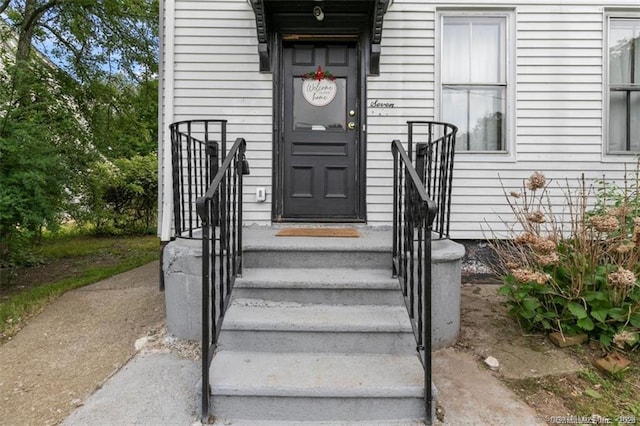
(338, 18)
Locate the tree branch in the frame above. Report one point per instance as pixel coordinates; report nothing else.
(5, 4)
(74, 50)
(38, 12)
(46, 6)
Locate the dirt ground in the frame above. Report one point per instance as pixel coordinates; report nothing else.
(555, 382)
(78, 342)
(65, 353)
(486, 330)
(50, 271)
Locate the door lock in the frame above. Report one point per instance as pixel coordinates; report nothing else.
(352, 113)
(351, 125)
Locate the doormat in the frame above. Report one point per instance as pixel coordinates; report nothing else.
(318, 232)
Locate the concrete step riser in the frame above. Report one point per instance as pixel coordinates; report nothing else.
(323, 296)
(316, 259)
(316, 409)
(318, 342)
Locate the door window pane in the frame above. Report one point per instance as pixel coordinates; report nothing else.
(329, 117)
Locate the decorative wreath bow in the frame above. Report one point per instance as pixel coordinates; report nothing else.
(319, 75)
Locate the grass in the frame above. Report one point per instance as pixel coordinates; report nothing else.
(588, 391)
(77, 261)
(614, 396)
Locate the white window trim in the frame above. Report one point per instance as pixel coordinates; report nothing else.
(607, 157)
(509, 155)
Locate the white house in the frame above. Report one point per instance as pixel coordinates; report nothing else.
(548, 85)
(320, 89)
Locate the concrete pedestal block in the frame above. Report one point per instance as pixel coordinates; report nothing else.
(182, 268)
(446, 257)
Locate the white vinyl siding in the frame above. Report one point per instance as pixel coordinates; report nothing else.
(406, 80)
(217, 76)
(558, 109)
(557, 105)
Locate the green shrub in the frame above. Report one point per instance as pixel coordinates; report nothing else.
(119, 196)
(575, 272)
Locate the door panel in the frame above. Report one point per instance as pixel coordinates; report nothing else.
(320, 150)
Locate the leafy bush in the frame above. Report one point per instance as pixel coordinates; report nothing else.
(120, 196)
(576, 271)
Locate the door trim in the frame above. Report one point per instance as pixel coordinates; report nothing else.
(278, 134)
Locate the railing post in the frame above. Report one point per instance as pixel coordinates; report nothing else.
(243, 148)
(212, 159)
(203, 211)
(429, 217)
(410, 142)
(396, 201)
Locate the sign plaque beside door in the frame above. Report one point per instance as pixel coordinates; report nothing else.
(319, 92)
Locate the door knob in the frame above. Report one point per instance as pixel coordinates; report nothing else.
(351, 125)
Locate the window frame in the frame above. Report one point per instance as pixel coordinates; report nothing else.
(508, 154)
(607, 153)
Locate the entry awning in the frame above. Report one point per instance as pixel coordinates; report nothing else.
(320, 18)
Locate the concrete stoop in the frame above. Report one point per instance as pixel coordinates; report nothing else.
(317, 332)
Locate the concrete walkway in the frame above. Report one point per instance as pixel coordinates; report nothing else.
(152, 389)
(75, 344)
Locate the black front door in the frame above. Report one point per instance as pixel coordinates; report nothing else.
(320, 144)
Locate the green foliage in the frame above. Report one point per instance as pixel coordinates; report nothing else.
(120, 196)
(97, 104)
(89, 38)
(42, 146)
(625, 201)
(123, 117)
(584, 280)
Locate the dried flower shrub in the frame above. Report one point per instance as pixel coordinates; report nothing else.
(576, 271)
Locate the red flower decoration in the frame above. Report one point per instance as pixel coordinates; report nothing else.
(318, 74)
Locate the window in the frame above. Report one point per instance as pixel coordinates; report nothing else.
(624, 85)
(473, 77)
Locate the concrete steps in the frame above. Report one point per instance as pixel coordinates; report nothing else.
(316, 387)
(371, 251)
(261, 325)
(317, 332)
(322, 285)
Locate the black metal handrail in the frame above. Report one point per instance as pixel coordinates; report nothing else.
(221, 253)
(413, 215)
(194, 163)
(435, 147)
